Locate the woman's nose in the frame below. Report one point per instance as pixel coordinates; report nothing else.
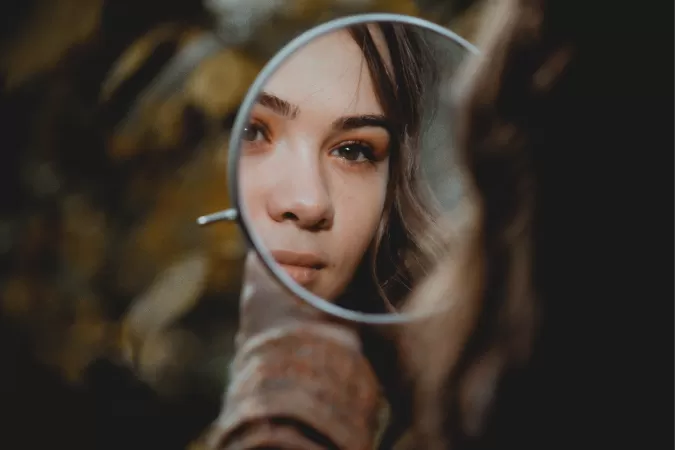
(303, 199)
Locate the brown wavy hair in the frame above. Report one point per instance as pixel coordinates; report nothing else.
(406, 242)
(542, 106)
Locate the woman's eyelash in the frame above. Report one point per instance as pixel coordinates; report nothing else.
(367, 149)
(258, 126)
(361, 147)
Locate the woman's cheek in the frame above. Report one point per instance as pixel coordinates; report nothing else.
(254, 189)
(371, 213)
(356, 210)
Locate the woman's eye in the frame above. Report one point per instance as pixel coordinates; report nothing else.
(253, 132)
(354, 152)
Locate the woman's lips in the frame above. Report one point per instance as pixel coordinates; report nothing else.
(304, 268)
(304, 276)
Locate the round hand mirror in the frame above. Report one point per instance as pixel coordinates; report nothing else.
(340, 161)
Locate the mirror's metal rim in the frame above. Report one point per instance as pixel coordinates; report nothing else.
(235, 149)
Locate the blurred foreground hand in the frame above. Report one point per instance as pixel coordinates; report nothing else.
(298, 379)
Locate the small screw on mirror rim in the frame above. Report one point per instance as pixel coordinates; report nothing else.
(228, 215)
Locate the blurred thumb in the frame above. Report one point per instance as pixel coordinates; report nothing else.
(265, 303)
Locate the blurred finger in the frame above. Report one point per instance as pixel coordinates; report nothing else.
(266, 304)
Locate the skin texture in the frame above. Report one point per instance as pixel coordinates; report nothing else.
(309, 183)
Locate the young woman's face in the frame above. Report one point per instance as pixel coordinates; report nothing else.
(314, 165)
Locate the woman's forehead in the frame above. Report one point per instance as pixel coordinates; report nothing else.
(330, 73)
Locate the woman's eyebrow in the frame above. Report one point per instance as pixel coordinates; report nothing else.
(278, 105)
(287, 109)
(369, 120)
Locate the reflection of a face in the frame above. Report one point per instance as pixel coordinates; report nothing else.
(314, 166)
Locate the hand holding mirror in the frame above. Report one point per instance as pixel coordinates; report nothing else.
(341, 159)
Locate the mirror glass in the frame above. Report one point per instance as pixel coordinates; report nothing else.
(343, 161)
